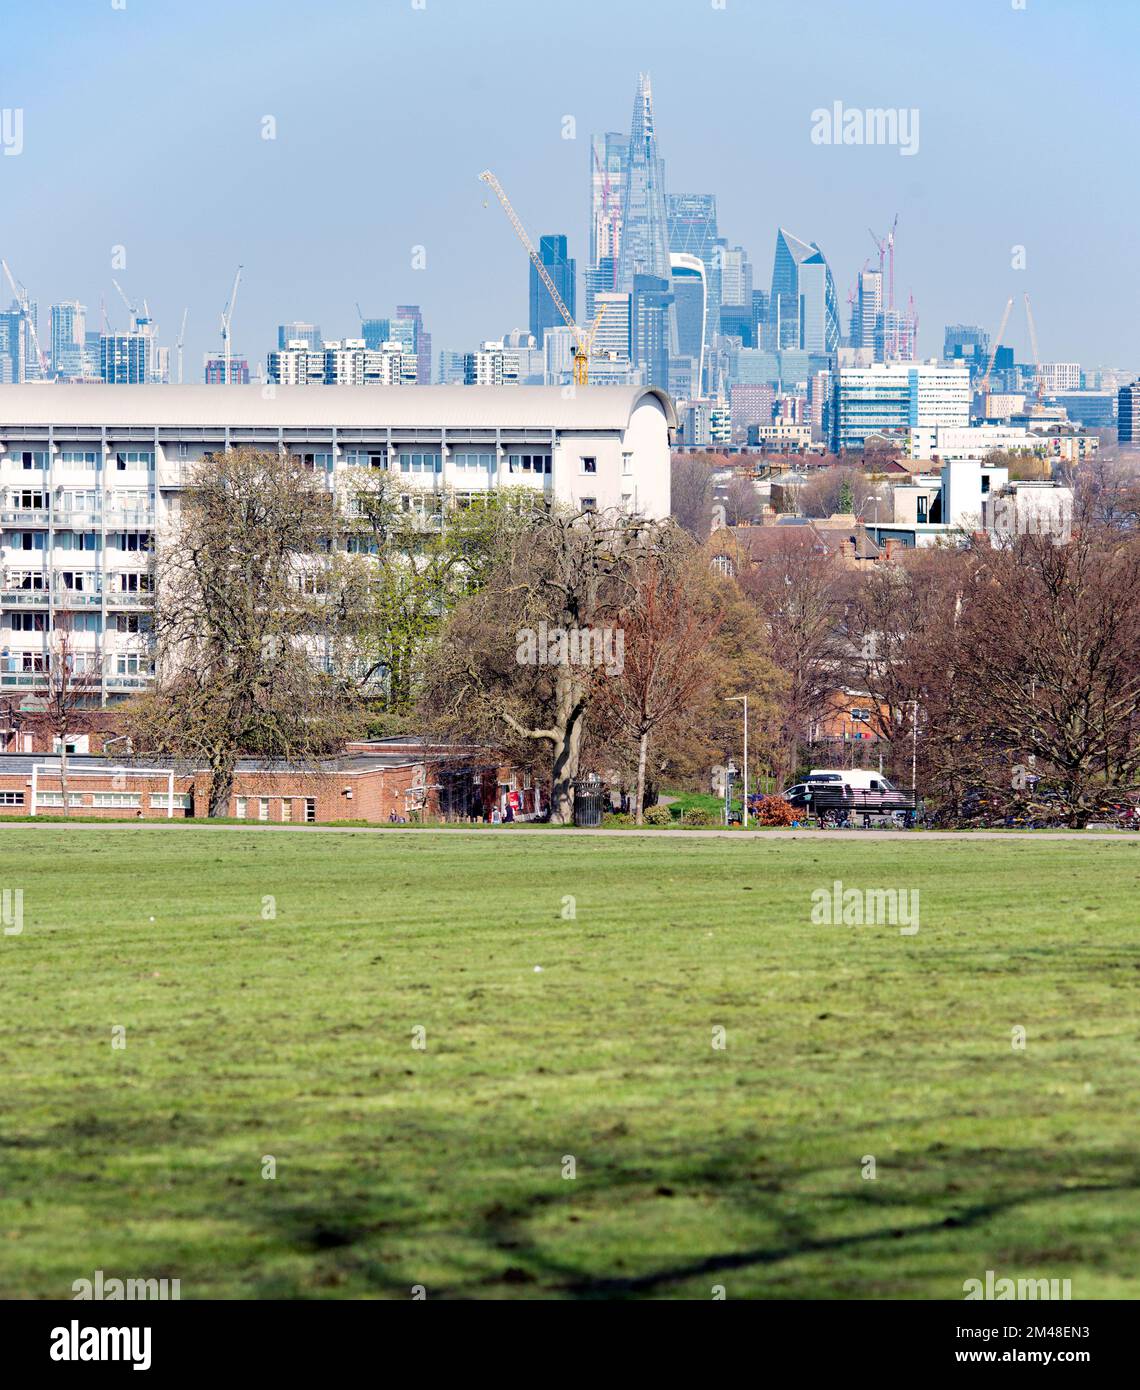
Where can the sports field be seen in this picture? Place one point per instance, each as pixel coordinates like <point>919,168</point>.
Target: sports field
<point>270,985</point>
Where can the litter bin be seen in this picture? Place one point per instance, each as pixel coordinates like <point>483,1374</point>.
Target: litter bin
<point>589,801</point>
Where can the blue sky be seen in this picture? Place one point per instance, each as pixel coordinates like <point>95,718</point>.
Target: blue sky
<point>142,128</point>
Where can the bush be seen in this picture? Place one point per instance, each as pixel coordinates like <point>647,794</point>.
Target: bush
<point>659,815</point>
<point>614,820</point>
<point>697,815</point>
<point>774,810</point>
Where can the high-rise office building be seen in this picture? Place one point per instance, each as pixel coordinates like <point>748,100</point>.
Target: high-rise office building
<point>1128,414</point>
<point>913,398</point>
<point>544,314</point>
<point>613,338</point>
<point>12,358</point>
<point>68,331</point>
<point>690,297</point>
<point>819,306</point>
<point>375,332</point>
<point>803,310</point>
<point>735,275</point>
<point>215,370</point>
<point>126,359</point>
<point>451,367</point>
<point>693,232</point>
<point>966,342</point>
<point>607,179</point>
<point>866,309</point>
<point>783,329</point>
<point>298,332</point>
<point>421,341</point>
<point>652,327</point>
<point>645,229</point>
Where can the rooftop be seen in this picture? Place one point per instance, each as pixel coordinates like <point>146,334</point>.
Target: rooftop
<point>368,407</point>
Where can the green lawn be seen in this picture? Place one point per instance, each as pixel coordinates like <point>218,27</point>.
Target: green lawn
<point>696,1167</point>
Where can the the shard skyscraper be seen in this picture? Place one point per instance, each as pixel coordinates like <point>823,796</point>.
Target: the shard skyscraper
<point>644,270</point>
<point>645,227</point>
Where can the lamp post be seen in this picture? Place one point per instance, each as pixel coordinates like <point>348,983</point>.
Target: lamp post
<point>914,748</point>
<point>744,799</point>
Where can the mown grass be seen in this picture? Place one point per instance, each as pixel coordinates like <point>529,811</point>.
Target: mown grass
<point>292,1036</point>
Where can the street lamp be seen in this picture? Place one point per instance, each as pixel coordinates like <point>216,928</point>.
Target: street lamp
<point>744,801</point>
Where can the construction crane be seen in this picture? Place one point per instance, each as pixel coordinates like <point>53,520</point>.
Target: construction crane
<point>583,338</point>
<point>1038,375</point>
<point>181,340</point>
<point>21,297</point>
<point>609,210</point>
<point>227,316</point>
<point>131,309</point>
<point>886,246</point>
<point>985,382</point>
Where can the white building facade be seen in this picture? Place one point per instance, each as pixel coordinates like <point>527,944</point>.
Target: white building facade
<point>91,477</point>
<point>918,396</point>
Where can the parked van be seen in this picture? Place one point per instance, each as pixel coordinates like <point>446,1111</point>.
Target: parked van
<point>858,779</point>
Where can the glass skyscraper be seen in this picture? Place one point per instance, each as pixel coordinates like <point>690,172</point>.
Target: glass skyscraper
<point>552,252</point>
<point>803,309</point>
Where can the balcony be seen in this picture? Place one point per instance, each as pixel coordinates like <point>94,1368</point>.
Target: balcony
<point>128,600</point>
<point>24,598</point>
<point>19,516</point>
<point>77,598</point>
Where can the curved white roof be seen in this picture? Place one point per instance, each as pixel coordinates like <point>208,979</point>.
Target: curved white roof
<point>402,407</point>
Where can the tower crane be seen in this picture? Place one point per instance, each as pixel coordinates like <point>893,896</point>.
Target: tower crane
<point>227,316</point>
<point>21,296</point>
<point>583,338</point>
<point>985,382</point>
<point>1038,375</point>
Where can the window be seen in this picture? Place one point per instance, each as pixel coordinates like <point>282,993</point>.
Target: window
<point>134,542</point>
<point>627,465</point>
<point>860,715</point>
<point>131,622</point>
<point>921,513</point>
<point>160,801</point>
<point>133,458</point>
<point>240,808</point>
<point>29,499</point>
<point>262,808</point>
<point>310,809</point>
<point>589,504</point>
<point>131,664</point>
<point>56,799</point>
<point>286,809</point>
<point>34,458</point>
<point>589,465</point>
<point>470,460</point>
<point>29,622</point>
<point>116,799</point>
<point>528,463</point>
<point>420,463</point>
<point>85,622</point>
<point>321,463</point>
<point>79,540</point>
<point>11,798</point>
<point>29,540</point>
<point>985,483</point>
<point>80,458</point>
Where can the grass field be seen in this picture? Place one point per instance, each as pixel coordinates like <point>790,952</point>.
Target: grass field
<point>292,1037</point>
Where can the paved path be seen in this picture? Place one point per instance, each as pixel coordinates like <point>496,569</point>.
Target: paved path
<point>499,831</point>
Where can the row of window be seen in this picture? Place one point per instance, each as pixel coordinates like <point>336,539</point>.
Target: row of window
<point>121,460</point>
<point>80,622</point>
<point>131,542</point>
<point>79,582</point>
<point>261,805</point>
<point>78,499</point>
<point>80,663</point>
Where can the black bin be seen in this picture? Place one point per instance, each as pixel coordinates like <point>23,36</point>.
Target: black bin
<point>589,802</point>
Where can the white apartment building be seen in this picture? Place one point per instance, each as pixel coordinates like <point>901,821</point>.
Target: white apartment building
<point>976,441</point>
<point>342,363</point>
<point>91,476</point>
<point>918,396</point>
<point>1060,376</point>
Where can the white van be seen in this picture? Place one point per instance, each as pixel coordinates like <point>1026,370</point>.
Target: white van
<point>858,779</point>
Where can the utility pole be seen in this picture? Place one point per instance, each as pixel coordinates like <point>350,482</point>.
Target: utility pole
<point>914,748</point>
<point>744,799</point>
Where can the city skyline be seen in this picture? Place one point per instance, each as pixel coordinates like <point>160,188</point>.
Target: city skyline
<point>965,201</point>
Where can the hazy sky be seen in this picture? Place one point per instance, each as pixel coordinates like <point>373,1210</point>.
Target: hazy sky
<point>142,127</point>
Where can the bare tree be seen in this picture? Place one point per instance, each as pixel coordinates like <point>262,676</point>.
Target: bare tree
<point>519,663</point>
<point>668,633</point>
<point>244,613</point>
<point>691,485</point>
<point>69,691</point>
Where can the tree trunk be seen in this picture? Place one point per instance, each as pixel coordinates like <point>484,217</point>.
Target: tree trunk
<point>63,769</point>
<point>642,756</point>
<point>221,786</point>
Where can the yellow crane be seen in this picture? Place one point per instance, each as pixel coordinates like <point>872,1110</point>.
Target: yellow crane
<point>583,338</point>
